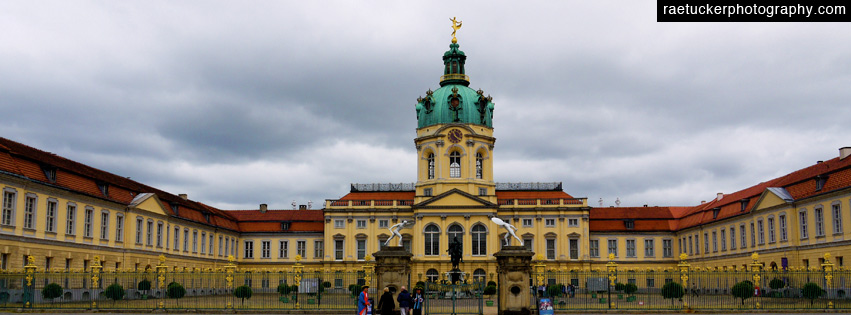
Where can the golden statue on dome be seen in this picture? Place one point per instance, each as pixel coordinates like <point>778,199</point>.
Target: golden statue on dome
<point>455,26</point>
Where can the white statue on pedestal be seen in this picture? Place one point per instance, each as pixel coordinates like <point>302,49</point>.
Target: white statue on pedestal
<point>508,227</point>
<point>394,231</point>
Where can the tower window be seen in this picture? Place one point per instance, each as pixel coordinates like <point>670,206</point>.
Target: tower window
<point>430,166</point>
<point>479,165</point>
<point>455,165</point>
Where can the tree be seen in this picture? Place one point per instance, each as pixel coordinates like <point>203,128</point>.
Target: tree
<point>355,289</point>
<point>51,291</point>
<point>175,290</point>
<point>284,289</point>
<point>743,290</point>
<point>776,284</point>
<point>812,291</point>
<point>242,292</point>
<point>555,290</point>
<point>619,286</point>
<point>672,290</point>
<point>630,288</point>
<point>114,292</point>
<point>492,283</point>
<point>489,290</point>
<point>144,285</point>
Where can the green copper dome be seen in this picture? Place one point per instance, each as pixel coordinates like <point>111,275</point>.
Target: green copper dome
<point>454,101</point>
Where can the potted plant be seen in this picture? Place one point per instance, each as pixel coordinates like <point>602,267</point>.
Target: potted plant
<point>743,290</point>
<point>812,291</point>
<point>175,290</point>
<point>673,290</point>
<point>629,289</point>
<point>114,292</point>
<point>775,285</point>
<point>283,290</point>
<point>242,292</point>
<point>51,291</point>
<point>619,288</point>
<point>490,290</point>
<point>144,286</point>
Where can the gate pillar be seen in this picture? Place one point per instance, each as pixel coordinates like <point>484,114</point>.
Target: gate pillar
<point>392,269</point>
<point>514,269</point>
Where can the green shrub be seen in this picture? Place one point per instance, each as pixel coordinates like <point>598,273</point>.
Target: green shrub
<point>175,290</point>
<point>630,288</point>
<point>242,292</point>
<point>672,290</point>
<point>812,291</point>
<point>326,284</point>
<point>618,286</point>
<point>775,284</point>
<point>355,289</point>
<point>284,289</point>
<point>51,291</point>
<point>492,283</point>
<point>144,285</point>
<point>743,290</point>
<point>489,290</point>
<point>114,292</point>
<point>555,290</point>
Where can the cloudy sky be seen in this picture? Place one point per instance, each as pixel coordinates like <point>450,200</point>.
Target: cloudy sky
<point>240,103</point>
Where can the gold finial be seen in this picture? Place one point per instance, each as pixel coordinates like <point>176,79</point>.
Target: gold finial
<point>683,256</point>
<point>297,258</point>
<point>231,258</point>
<point>455,26</point>
<point>611,256</point>
<point>162,258</point>
<point>826,257</point>
<point>755,257</point>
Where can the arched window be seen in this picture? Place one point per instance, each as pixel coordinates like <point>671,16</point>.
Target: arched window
<point>455,164</point>
<point>479,275</point>
<point>455,230</point>
<point>430,166</point>
<point>480,240</point>
<point>432,240</point>
<point>479,165</point>
<point>432,275</point>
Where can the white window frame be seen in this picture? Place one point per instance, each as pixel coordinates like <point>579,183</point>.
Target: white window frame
<point>149,233</point>
<point>70,218</point>
<point>160,227</point>
<point>551,248</point>
<point>612,247</point>
<point>836,209</point>
<point>572,222</point>
<point>781,223</point>
<point>732,237</point>
<point>10,201</point>
<point>594,248</point>
<point>50,215</point>
<point>550,222</point>
<point>104,224</point>
<point>526,222</point>
<point>339,250</point>
<point>360,224</point>
<point>301,248</point>
<point>248,249</point>
<point>203,242</point>
<point>479,240</point>
<point>802,224</point>
<point>771,237</point>
<point>723,240</point>
<point>284,249</point>
<point>119,227</point>
<point>265,249</point>
<point>318,249</point>
<point>630,248</point>
<point>818,212</point>
<point>339,223</point>
<point>360,245</point>
<point>88,221</point>
<point>667,248</point>
<point>30,211</point>
<point>383,224</point>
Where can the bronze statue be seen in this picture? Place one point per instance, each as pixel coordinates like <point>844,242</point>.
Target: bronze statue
<point>455,252</point>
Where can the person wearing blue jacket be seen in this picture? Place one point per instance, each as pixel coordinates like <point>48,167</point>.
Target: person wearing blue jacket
<point>404,299</point>
<point>363,301</point>
<point>418,301</point>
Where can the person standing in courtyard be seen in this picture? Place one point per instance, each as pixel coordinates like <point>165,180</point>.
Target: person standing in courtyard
<point>363,301</point>
<point>418,301</point>
<point>404,299</point>
<point>386,303</point>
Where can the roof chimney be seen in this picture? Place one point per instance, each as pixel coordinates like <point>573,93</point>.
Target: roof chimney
<point>720,196</point>
<point>844,152</point>
<point>263,208</point>
<point>183,196</point>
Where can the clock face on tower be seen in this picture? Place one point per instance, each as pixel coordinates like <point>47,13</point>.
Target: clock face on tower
<point>455,136</point>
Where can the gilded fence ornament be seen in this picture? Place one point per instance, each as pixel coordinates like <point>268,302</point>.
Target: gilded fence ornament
<point>540,267</point>
<point>298,270</point>
<point>30,269</point>
<point>755,270</point>
<point>96,268</point>
<point>827,266</point>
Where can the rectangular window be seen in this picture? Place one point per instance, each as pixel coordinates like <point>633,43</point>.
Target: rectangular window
<point>233,246</point>
<point>29,213</point>
<point>572,222</point>
<point>753,235</point>
<point>837,219</point>
<point>551,248</point>
<point>648,248</point>
<point>803,220</point>
<point>339,224</point>
<point>527,243</point>
<point>8,207</point>
<point>221,246</point>
<point>361,249</point>
<point>318,249</point>
<point>723,239</point>
<point>629,224</point>
<point>761,231</point>
<point>70,219</point>
<point>383,224</point>
<point>550,222</point>
<point>714,241</point>
<point>782,222</point>
<point>706,243</point>
<point>301,248</point>
<point>119,228</point>
<point>574,249</point>
<point>203,242</point>
<point>210,245</point>
<point>690,247</point>
<point>104,225</point>
<point>667,248</point>
<point>771,238</point>
<point>594,248</point>
<point>527,222</point>
<point>819,214</point>
<point>361,224</point>
<point>138,230</point>
<point>177,238</point>
<point>186,240</point>
<point>483,191</point>
<point>284,249</point>
<point>338,249</point>
<point>159,234</point>
<point>427,192</point>
<point>50,225</point>
<point>697,244</point>
<point>87,222</point>
<point>613,247</point>
<point>149,236</point>
<point>227,246</point>
<point>266,249</point>
<point>732,237</point>
<point>651,282</point>
<point>742,236</point>
<point>249,249</point>
<point>194,241</point>
<point>630,248</point>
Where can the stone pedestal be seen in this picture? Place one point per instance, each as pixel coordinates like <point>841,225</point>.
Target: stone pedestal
<point>392,269</point>
<point>514,266</point>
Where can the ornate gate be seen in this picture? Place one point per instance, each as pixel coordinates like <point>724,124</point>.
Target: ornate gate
<point>461,298</point>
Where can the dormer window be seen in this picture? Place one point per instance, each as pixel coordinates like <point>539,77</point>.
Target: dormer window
<point>285,226</point>
<point>744,203</point>
<point>207,217</point>
<point>715,212</point>
<point>104,188</point>
<point>175,208</point>
<point>820,181</point>
<point>629,224</point>
<point>50,173</point>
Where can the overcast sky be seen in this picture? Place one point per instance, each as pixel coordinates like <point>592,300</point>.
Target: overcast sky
<point>240,103</point>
